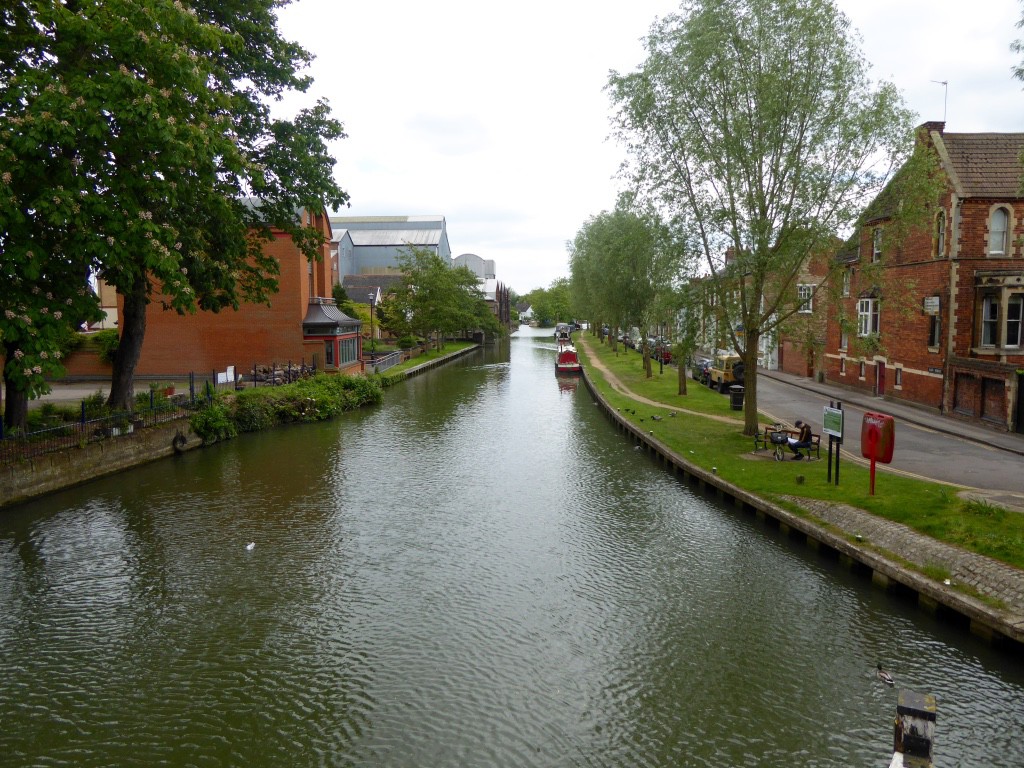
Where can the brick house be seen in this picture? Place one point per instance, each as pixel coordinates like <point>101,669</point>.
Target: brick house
<point>302,323</point>
<point>960,347</point>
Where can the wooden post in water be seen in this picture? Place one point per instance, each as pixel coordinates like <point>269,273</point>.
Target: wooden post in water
<point>913,730</point>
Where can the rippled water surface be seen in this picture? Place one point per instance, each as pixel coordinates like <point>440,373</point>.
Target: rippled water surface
<point>481,572</point>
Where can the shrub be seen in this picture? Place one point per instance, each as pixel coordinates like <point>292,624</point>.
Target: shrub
<point>407,342</point>
<point>253,410</point>
<point>96,405</point>
<point>212,423</point>
<point>107,343</point>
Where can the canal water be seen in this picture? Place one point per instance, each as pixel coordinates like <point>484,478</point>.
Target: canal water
<point>480,572</point>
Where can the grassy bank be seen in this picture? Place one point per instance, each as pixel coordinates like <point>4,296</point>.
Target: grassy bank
<point>397,373</point>
<point>712,436</point>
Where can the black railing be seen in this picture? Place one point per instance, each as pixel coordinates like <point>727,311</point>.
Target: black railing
<point>77,434</point>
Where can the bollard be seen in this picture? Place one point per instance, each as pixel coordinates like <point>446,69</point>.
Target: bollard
<point>913,730</point>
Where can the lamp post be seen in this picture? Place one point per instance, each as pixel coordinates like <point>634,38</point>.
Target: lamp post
<point>373,344</point>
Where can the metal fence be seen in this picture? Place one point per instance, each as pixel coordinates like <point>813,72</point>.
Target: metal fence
<point>382,363</point>
<point>89,429</point>
<point>77,434</point>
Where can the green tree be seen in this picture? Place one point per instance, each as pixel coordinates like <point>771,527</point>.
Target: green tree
<point>149,120</point>
<point>625,263</point>
<point>754,125</point>
<point>434,300</point>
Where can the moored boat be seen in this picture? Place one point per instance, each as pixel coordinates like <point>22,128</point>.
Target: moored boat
<point>566,359</point>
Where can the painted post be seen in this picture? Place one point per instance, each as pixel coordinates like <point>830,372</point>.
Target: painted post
<point>877,440</point>
<point>913,730</point>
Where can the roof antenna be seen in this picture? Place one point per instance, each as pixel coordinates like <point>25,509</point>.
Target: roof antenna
<point>945,95</point>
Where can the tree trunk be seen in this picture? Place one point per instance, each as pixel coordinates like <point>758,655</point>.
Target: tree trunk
<point>750,423</point>
<point>681,372</point>
<point>133,332</point>
<point>15,408</point>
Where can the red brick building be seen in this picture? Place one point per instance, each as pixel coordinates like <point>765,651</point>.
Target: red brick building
<point>960,347</point>
<point>301,324</point>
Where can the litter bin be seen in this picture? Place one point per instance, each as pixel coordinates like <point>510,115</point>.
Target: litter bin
<point>736,397</point>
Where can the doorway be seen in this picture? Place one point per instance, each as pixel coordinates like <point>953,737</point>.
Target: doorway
<point>879,378</point>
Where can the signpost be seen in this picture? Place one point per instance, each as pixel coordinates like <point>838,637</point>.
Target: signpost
<point>832,425</point>
<point>877,440</point>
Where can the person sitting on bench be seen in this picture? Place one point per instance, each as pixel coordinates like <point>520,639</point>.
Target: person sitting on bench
<point>803,440</point>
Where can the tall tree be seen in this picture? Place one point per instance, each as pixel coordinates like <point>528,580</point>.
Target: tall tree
<point>152,118</point>
<point>754,125</point>
<point>628,266</point>
<point>434,300</point>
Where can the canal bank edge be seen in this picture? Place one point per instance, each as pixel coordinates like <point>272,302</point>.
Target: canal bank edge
<point>1001,628</point>
<point>52,472</point>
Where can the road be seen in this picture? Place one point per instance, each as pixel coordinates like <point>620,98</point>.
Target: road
<point>927,444</point>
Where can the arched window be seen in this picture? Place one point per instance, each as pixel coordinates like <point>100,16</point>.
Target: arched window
<point>940,235</point>
<point>998,229</point>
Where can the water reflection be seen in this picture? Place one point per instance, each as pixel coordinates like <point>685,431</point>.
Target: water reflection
<point>479,572</point>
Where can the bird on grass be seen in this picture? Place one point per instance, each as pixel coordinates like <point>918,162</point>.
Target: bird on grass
<point>884,676</point>
<point>251,546</point>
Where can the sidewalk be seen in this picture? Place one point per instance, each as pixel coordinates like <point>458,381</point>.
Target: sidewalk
<point>921,416</point>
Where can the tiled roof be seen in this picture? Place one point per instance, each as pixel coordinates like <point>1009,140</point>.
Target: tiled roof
<point>985,164</point>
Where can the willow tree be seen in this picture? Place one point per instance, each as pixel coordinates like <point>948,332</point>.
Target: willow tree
<point>754,124</point>
<point>164,166</point>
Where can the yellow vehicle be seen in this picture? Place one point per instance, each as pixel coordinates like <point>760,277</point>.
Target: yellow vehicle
<point>724,370</point>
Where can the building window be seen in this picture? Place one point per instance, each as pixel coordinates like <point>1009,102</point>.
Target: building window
<point>1014,312</point>
<point>842,366</point>
<point>867,317</point>
<point>349,351</point>
<point>863,369</point>
<point>940,234</point>
<point>805,293</point>
<point>844,340</point>
<point>898,375</point>
<point>934,331</point>
<point>998,228</point>
<point>847,279</point>
<point>876,244</point>
<point>990,321</point>
<point>329,352</point>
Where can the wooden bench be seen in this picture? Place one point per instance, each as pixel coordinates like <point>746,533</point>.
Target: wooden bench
<point>762,440</point>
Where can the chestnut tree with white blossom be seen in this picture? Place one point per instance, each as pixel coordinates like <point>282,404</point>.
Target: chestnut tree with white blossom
<point>139,144</point>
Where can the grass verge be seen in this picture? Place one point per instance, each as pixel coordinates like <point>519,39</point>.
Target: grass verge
<point>709,434</point>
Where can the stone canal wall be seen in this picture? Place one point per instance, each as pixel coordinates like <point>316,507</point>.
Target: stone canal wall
<point>837,535</point>
<point>55,471</point>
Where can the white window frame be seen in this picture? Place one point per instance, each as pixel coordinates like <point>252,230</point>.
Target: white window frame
<point>998,229</point>
<point>1015,321</point>
<point>867,317</point>
<point>876,245</point>
<point>940,234</point>
<point>990,321</point>
<point>805,295</point>
<point>847,280</point>
<point>934,332</point>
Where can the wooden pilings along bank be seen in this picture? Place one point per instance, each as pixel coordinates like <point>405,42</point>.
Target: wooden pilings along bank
<point>943,602</point>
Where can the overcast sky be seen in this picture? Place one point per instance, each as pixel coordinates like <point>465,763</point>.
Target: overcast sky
<point>495,117</point>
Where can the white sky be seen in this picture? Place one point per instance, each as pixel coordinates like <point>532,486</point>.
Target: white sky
<point>494,116</point>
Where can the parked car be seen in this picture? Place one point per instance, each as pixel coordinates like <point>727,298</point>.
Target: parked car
<point>722,373</point>
<point>699,369</point>
<point>661,351</point>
